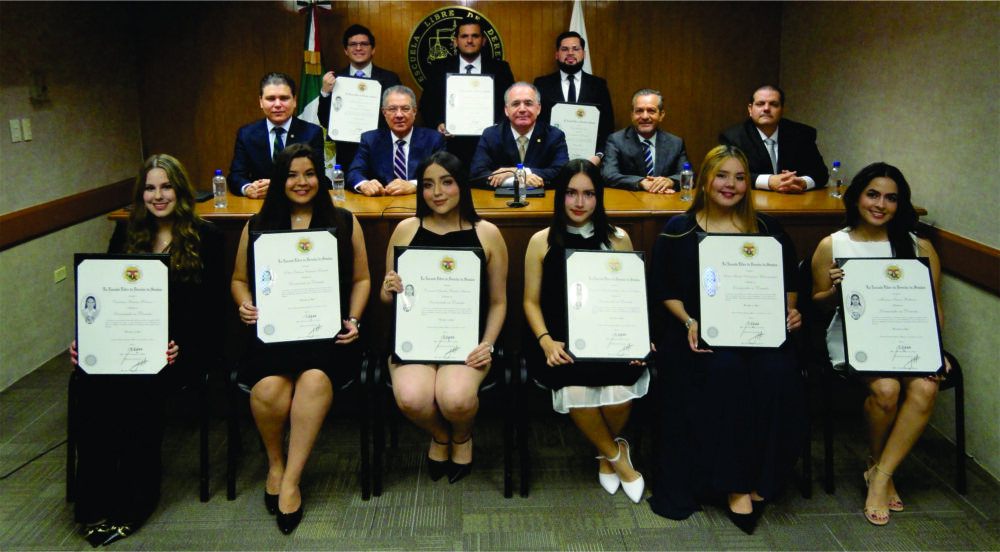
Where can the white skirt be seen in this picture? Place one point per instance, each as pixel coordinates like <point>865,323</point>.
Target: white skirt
<point>576,396</point>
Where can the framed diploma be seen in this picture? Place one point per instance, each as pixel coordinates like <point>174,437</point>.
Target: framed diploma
<point>122,313</point>
<point>468,107</point>
<point>437,315</point>
<point>890,318</point>
<point>296,284</point>
<point>742,290</point>
<point>607,310</point>
<point>355,107</point>
<point>579,122</point>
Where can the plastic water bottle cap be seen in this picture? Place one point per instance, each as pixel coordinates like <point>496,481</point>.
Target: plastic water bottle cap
<point>836,163</point>
<point>687,166</point>
<point>520,165</point>
<point>218,172</point>
<point>336,167</point>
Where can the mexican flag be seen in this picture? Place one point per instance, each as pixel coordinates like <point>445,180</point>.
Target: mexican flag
<point>311,81</point>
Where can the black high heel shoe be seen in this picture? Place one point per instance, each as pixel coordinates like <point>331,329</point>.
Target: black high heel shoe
<point>288,522</point>
<point>746,522</point>
<point>271,502</point>
<point>459,471</point>
<point>119,532</point>
<point>438,468</point>
<point>96,535</point>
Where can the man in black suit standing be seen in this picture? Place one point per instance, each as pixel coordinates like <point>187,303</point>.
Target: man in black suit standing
<point>571,85</point>
<point>259,142</point>
<point>782,153</point>
<point>643,157</point>
<point>359,46</point>
<point>469,42</point>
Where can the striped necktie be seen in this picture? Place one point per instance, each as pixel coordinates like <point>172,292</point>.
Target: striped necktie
<point>399,161</point>
<point>647,156</point>
<point>278,143</point>
<point>522,146</point>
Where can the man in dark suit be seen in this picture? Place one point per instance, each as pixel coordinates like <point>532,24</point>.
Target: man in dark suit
<point>387,159</point>
<point>500,147</point>
<point>359,46</point>
<point>571,85</point>
<point>469,42</point>
<point>259,142</point>
<point>625,162</point>
<point>782,153</point>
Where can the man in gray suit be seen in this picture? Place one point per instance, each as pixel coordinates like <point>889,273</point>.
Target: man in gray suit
<point>643,157</point>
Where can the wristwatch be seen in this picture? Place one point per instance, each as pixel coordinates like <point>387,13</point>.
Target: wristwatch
<point>490,346</point>
<point>357,323</point>
<point>688,322</point>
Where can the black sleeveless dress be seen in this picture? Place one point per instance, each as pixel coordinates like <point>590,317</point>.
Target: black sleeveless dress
<point>553,304</point>
<point>338,361</point>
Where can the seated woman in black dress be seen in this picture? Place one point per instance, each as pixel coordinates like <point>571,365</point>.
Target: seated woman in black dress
<point>443,399</point>
<point>880,222</point>
<point>597,396</point>
<point>295,381</point>
<point>733,418</point>
<point>120,417</point>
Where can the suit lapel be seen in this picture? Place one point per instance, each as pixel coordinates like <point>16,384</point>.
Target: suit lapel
<point>759,150</point>
<point>384,154</point>
<point>262,144</point>
<point>661,153</point>
<point>538,137</point>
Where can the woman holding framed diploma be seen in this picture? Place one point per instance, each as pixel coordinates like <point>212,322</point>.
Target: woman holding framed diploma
<point>443,399</point>
<point>597,395</point>
<point>120,417</point>
<point>295,379</point>
<point>880,220</point>
<point>733,417</point>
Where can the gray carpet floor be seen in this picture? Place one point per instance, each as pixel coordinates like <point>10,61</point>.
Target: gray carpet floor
<point>565,510</point>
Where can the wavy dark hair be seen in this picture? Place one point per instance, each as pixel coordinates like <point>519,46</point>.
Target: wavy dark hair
<point>185,244</point>
<point>276,213</point>
<point>709,169</point>
<point>602,228</point>
<point>902,223</point>
<point>454,167</point>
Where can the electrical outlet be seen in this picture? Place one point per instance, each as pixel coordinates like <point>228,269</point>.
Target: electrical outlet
<point>26,129</point>
<point>15,131</point>
<point>59,275</point>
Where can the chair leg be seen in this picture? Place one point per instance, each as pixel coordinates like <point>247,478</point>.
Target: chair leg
<point>827,435</point>
<point>203,441</point>
<point>71,441</point>
<point>234,444</point>
<point>960,475</point>
<point>508,442</point>
<point>366,464</point>
<point>807,445</point>
<point>378,445</point>
<point>522,446</point>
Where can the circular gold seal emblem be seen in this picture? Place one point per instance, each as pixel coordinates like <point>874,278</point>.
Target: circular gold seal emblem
<point>433,39</point>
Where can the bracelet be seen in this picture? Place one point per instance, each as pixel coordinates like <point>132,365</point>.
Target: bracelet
<point>541,336</point>
<point>688,322</point>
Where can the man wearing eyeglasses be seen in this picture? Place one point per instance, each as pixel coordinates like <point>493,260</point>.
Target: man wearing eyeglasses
<point>540,147</point>
<point>387,158</point>
<point>571,85</point>
<point>359,46</point>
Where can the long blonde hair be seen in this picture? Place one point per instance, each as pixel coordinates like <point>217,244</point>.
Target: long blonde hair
<point>185,244</point>
<point>746,214</point>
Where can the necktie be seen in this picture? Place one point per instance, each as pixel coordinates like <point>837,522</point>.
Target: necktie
<point>647,156</point>
<point>571,97</point>
<point>522,146</point>
<point>399,161</point>
<point>770,143</point>
<point>360,74</point>
<point>278,143</point>
<point>469,68</point>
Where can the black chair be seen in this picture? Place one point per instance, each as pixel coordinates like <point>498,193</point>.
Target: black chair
<point>525,381</point>
<point>498,381</point>
<point>815,354</point>
<point>238,388</point>
<point>199,384</point>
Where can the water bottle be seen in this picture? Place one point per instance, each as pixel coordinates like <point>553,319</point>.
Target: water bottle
<point>338,184</point>
<point>836,180</point>
<point>219,189</point>
<point>521,186</point>
<point>687,181</point>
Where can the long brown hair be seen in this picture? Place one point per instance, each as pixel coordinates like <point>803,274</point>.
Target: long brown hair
<point>185,243</point>
<point>714,159</point>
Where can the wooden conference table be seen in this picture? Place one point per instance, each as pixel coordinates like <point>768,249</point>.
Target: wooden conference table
<point>807,218</point>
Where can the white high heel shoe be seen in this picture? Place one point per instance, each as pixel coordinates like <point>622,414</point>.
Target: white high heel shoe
<point>609,481</point>
<point>633,489</point>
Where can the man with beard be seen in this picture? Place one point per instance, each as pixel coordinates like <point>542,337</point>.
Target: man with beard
<point>571,85</point>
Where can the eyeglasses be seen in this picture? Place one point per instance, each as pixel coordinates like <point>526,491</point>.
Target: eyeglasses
<point>358,44</point>
<point>405,110</point>
<point>574,49</point>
